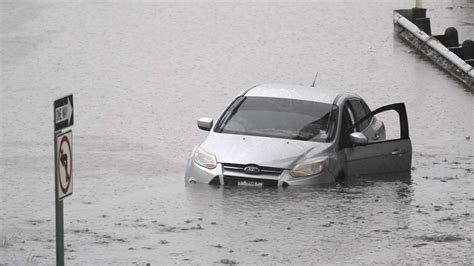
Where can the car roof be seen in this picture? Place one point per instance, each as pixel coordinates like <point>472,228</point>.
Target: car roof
<point>316,94</point>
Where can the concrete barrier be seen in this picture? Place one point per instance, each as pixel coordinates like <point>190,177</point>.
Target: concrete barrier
<point>432,47</point>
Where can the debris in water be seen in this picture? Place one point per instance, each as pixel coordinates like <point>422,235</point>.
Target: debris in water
<point>228,262</point>
<point>419,245</point>
<point>170,229</point>
<point>447,219</point>
<point>258,240</point>
<point>81,231</point>
<point>197,227</point>
<point>442,238</point>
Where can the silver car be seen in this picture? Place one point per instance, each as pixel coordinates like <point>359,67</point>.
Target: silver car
<point>285,135</point>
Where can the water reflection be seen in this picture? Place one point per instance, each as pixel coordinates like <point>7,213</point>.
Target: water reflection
<point>404,177</point>
<point>367,211</point>
<point>399,185</point>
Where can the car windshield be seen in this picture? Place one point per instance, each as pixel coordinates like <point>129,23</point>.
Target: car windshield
<point>279,118</point>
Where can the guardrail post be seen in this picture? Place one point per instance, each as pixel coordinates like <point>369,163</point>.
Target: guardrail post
<point>452,37</point>
<point>419,4</point>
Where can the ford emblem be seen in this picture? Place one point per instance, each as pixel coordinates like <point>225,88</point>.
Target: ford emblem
<point>252,169</point>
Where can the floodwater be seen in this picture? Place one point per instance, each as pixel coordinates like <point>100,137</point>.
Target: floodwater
<point>142,72</point>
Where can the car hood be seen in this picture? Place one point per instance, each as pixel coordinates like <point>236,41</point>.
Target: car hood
<point>263,151</point>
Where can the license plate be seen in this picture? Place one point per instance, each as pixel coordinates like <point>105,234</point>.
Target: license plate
<point>250,183</point>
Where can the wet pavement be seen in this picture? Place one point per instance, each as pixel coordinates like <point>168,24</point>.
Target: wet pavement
<point>142,73</point>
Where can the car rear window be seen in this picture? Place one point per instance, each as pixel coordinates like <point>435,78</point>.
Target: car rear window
<point>279,118</point>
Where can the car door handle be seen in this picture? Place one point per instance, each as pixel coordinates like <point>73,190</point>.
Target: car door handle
<point>398,151</point>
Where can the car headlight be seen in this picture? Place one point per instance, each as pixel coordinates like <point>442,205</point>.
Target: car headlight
<point>205,159</point>
<point>310,168</point>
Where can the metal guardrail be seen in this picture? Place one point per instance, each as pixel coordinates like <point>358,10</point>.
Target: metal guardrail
<point>436,51</point>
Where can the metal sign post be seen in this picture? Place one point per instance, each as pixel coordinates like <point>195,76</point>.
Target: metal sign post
<point>63,118</point>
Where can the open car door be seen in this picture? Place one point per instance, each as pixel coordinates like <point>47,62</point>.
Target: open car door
<point>371,157</point>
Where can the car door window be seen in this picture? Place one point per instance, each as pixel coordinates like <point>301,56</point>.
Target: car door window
<point>359,112</point>
<point>366,108</point>
<point>346,123</point>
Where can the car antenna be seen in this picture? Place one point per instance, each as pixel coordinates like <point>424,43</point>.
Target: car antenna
<point>314,81</point>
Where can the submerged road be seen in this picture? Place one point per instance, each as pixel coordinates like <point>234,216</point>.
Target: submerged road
<point>143,72</point>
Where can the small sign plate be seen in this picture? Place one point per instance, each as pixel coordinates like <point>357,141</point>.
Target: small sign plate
<point>63,113</point>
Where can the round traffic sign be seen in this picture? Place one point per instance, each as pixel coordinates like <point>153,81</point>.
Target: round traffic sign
<point>65,164</point>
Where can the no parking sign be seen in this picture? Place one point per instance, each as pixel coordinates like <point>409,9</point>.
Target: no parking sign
<point>64,164</point>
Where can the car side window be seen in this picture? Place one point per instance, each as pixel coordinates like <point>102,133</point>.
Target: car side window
<point>359,112</point>
<point>346,122</point>
<point>367,110</point>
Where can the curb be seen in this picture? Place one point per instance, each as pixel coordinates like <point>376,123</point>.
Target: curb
<point>433,48</point>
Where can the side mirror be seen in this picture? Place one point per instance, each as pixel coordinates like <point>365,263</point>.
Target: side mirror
<point>205,123</point>
<point>358,138</point>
